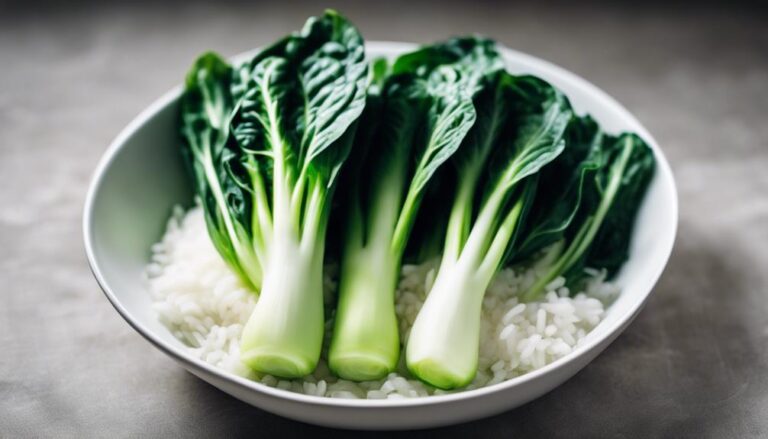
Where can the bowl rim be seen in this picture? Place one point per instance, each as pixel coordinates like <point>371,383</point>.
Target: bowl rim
<point>381,47</point>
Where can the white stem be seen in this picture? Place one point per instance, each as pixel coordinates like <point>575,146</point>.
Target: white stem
<point>284,334</point>
<point>443,344</point>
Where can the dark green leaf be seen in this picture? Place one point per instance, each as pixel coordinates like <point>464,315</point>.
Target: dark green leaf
<point>611,246</point>
<point>539,118</point>
<point>476,54</point>
<point>306,92</point>
<point>599,233</point>
<point>206,108</point>
<point>561,185</point>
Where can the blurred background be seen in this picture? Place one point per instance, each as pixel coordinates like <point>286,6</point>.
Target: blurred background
<point>72,75</point>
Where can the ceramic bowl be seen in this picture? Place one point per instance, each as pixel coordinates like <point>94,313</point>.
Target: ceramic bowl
<point>141,177</point>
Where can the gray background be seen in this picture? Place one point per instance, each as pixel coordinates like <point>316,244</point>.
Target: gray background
<point>692,365</point>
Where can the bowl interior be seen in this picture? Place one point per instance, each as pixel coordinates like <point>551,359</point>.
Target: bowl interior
<point>142,177</point>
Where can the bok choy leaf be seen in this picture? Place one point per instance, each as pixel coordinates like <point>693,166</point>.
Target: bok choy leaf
<point>206,109</point>
<point>596,208</point>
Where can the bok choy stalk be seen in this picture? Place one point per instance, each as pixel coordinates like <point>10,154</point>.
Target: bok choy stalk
<point>421,116</point>
<point>588,220</point>
<point>294,108</point>
<point>520,127</point>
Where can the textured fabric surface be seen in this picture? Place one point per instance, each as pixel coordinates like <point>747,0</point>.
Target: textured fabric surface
<point>694,363</point>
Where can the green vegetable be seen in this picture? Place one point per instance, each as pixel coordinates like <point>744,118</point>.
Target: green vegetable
<point>294,108</point>
<point>588,223</point>
<point>499,167</point>
<point>417,122</point>
<point>206,108</point>
<point>520,127</point>
<point>296,125</point>
<point>557,202</point>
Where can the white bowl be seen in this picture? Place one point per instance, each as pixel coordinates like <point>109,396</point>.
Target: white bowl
<point>141,177</point>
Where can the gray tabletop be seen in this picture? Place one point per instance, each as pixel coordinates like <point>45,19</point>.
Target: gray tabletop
<point>694,364</point>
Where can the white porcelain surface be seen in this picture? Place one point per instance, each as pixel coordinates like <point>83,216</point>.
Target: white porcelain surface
<point>141,177</point>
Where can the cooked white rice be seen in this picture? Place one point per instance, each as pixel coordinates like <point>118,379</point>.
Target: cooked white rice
<point>205,306</point>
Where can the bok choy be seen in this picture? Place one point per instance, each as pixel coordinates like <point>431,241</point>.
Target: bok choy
<point>520,127</point>
<point>422,114</point>
<point>206,109</point>
<point>279,135</point>
<point>438,153</point>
